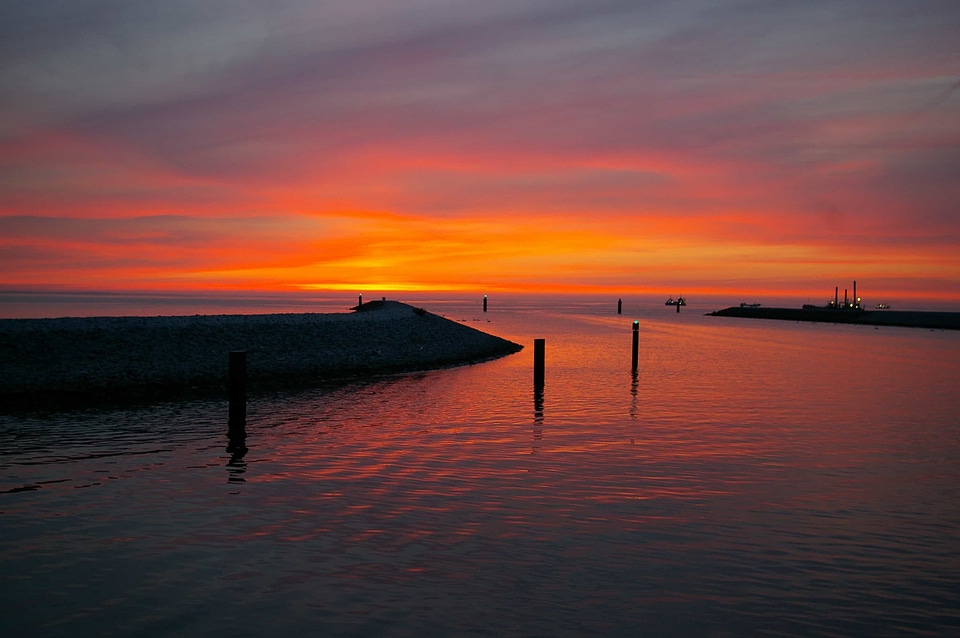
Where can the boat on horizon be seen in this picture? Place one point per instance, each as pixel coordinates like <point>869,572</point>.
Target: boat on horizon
<point>680,301</point>
<point>744,304</point>
<point>882,306</point>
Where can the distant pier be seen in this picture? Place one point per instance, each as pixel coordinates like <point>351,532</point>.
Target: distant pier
<point>900,318</point>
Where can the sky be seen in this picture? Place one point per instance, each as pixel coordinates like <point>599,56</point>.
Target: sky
<point>613,145</point>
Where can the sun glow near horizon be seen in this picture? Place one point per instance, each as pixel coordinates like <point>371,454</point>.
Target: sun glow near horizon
<point>534,254</point>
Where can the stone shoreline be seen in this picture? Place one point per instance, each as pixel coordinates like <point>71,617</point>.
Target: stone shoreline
<point>893,318</point>
<point>88,361</point>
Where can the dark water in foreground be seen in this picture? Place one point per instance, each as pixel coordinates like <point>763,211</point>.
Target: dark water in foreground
<point>754,478</point>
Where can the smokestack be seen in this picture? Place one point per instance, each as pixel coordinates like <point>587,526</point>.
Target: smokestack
<point>856,300</point>
<point>836,296</point>
<point>845,302</point>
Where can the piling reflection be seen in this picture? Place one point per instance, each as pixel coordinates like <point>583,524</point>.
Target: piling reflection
<point>237,448</point>
<point>537,419</point>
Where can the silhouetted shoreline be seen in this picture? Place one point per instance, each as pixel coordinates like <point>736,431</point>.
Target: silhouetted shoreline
<point>51,363</point>
<point>899,318</point>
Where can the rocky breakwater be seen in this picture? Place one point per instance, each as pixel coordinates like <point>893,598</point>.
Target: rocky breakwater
<point>53,362</point>
<point>893,318</point>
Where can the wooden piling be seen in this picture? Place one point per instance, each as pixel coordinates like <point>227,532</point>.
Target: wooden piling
<point>539,348</point>
<point>619,306</point>
<point>484,303</point>
<point>636,346</point>
<point>238,390</point>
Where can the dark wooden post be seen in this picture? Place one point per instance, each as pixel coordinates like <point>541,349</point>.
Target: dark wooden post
<point>636,346</point>
<point>360,300</point>
<point>484,303</point>
<point>678,307</point>
<point>619,306</point>
<point>539,348</point>
<point>238,390</point>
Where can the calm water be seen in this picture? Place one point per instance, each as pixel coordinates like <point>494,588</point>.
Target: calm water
<point>753,478</point>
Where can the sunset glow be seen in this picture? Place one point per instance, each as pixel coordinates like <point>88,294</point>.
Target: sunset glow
<point>419,145</point>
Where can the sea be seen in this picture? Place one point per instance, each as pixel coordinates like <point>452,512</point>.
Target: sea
<point>750,478</point>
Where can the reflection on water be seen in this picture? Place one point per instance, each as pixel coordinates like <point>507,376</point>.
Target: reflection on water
<point>537,419</point>
<point>237,449</point>
<point>754,479</point>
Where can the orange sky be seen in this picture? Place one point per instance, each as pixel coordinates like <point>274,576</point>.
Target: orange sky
<point>784,147</point>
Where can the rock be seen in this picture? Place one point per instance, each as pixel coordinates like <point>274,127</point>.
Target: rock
<point>70,361</point>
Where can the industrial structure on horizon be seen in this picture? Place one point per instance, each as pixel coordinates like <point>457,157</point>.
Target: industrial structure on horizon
<point>834,304</point>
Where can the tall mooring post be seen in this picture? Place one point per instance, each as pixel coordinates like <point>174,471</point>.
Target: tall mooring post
<point>360,300</point>
<point>484,303</point>
<point>636,347</point>
<point>539,349</point>
<point>619,306</point>
<point>238,390</point>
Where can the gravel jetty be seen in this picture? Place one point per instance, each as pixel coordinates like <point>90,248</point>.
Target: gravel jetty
<point>894,318</point>
<point>54,362</point>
